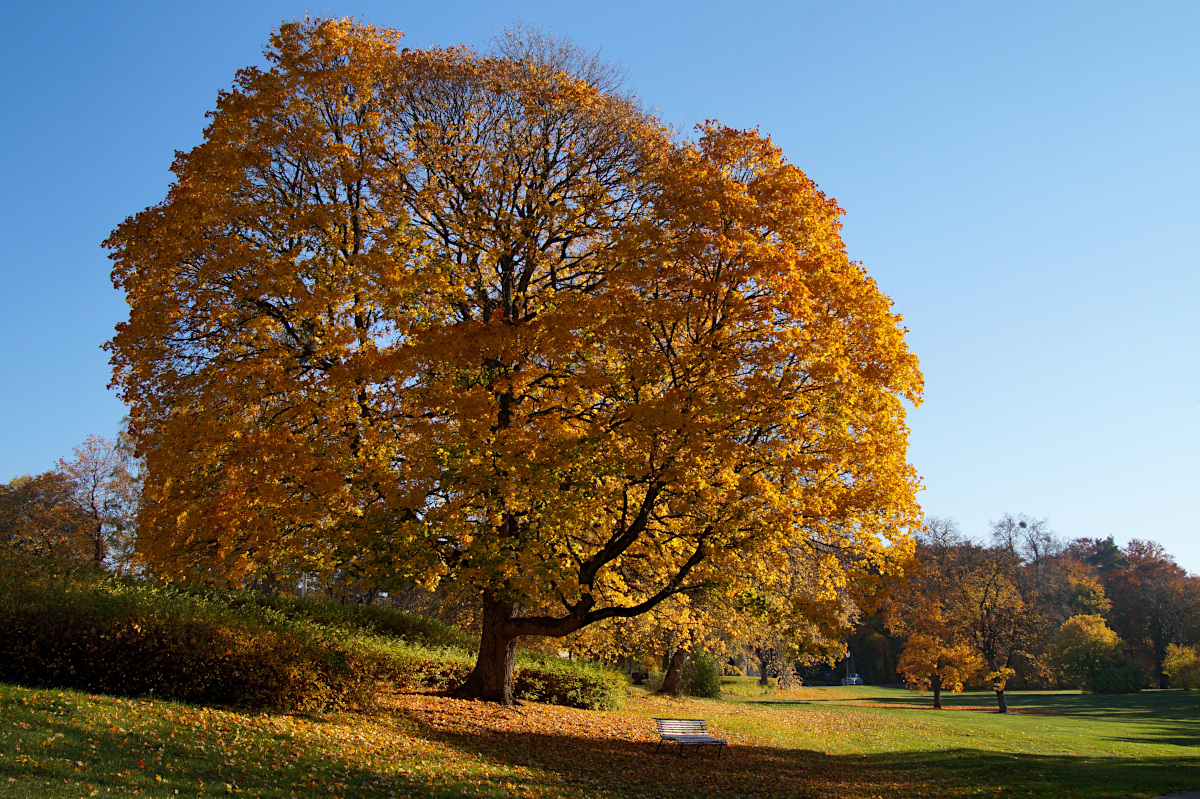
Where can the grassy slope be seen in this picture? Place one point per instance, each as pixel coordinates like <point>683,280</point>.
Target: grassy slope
<point>835,742</point>
<point>71,626</point>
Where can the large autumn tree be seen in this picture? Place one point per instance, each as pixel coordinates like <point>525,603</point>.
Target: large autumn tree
<point>450,316</point>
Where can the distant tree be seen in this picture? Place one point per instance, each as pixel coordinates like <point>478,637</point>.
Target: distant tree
<point>1182,666</point>
<point>876,650</point>
<point>999,619</point>
<point>1028,538</point>
<point>1084,648</point>
<point>105,490</point>
<point>926,610</point>
<point>930,662</point>
<point>1010,601</point>
<point>968,594</point>
<point>39,517</point>
<point>1084,593</point>
<point>1102,554</point>
<point>804,615</point>
<point>1155,603</point>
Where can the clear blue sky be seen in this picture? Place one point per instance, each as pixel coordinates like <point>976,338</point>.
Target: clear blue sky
<point>1022,178</point>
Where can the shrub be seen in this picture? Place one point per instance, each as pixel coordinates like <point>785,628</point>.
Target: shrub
<point>1121,677</point>
<point>654,681</point>
<point>702,676</point>
<point>389,622</point>
<point>535,679</point>
<point>557,681</point>
<point>73,627</point>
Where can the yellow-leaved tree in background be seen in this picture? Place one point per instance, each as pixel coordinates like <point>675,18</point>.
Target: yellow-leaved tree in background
<point>441,315</point>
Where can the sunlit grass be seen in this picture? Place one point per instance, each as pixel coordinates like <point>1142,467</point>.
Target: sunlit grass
<point>852,742</point>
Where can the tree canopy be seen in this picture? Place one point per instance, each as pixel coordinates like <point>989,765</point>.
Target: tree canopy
<point>448,315</point>
<point>82,510</point>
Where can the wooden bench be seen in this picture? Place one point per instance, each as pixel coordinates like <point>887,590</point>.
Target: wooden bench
<point>686,732</point>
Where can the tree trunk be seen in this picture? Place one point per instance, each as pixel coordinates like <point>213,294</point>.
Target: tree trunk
<point>763,679</point>
<point>1001,701</point>
<point>673,682</point>
<point>98,555</point>
<point>784,669</point>
<point>937,692</point>
<point>491,679</point>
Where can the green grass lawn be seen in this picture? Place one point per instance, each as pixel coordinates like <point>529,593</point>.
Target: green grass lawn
<point>860,741</point>
<point>1049,743</point>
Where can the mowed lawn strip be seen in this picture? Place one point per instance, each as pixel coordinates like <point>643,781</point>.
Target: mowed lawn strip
<point>837,742</point>
<point>1051,743</point>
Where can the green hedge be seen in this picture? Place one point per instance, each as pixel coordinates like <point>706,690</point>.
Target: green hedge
<point>567,683</point>
<point>1117,678</point>
<point>381,621</point>
<point>592,686</point>
<point>702,676</point>
<point>70,626</point>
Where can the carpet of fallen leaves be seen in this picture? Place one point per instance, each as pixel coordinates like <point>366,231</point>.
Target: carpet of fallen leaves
<point>565,752</point>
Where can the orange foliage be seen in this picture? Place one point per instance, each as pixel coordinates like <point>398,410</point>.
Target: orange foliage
<point>449,316</point>
<point>39,517</point>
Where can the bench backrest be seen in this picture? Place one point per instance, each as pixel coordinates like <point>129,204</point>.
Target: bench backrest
<point>681,726</point>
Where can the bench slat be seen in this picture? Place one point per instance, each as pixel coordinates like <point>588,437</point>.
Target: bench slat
<point>686,732</point>
<point>697,726</point>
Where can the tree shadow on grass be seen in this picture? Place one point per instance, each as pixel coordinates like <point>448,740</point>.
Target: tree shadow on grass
<point>1157,717</point>
<point>1165,732</point>
<point>1155,703</point>
<point>635,769</point>
<point>1052,775</point>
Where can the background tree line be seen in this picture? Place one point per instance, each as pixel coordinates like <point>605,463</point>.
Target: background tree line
<point>84,510</point>
<point>81,510</point>
<point>1029,610</point>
